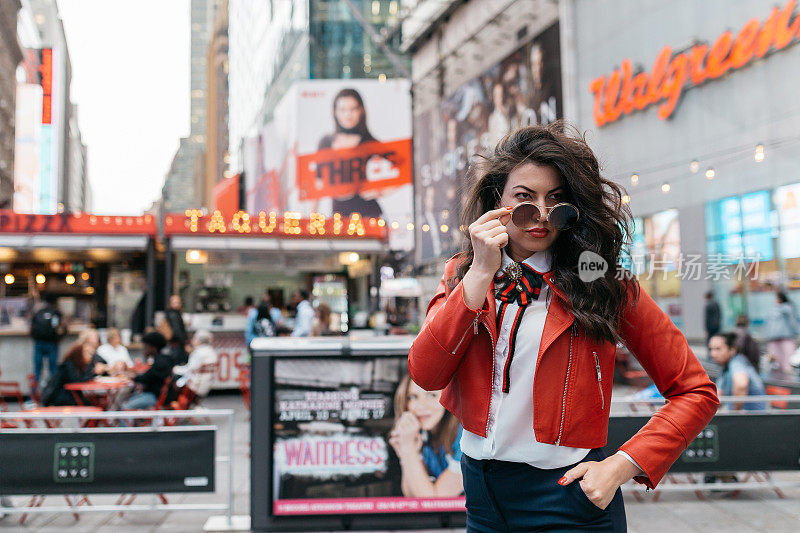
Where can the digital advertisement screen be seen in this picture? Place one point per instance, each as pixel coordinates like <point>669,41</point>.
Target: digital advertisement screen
<point>358,436</point>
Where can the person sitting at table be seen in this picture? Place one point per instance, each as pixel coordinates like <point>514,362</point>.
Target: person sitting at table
<point>115,353</point>
<point>76,367</point>
<point>202,354</point>
<point>149,384</point>
<point>91,338</point>
<point>738,377</point>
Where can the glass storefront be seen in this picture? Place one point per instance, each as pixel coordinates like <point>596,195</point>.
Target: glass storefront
<point>654,257</point>
<point>757,235</point>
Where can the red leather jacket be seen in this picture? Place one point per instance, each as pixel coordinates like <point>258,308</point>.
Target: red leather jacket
<point>454,351</point>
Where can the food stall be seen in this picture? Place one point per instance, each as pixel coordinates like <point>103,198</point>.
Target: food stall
<point>97,266</point>
<point>217,260</point>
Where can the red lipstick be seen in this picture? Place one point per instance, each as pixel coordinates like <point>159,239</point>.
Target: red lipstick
<point>539,233</point>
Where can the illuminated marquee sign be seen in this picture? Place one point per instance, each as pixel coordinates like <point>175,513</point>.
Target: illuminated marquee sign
<point>263,224</point>
<point>621,92</point>
<point>79,223</point>
<point>46,70</point>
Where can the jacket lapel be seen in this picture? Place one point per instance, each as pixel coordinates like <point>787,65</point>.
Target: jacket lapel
<point>558,316</point>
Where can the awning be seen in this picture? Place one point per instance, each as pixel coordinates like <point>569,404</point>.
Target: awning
<point>73,242</point>
<point>245,244</point>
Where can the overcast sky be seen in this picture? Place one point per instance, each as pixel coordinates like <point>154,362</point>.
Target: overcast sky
<point>130,79</point>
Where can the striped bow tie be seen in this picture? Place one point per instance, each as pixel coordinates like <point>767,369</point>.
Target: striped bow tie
<point>519,284</point>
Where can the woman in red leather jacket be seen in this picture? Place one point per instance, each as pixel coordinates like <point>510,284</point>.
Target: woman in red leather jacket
<point>521,336</point>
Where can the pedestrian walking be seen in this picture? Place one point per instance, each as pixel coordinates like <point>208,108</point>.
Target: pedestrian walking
<point>781,331</point>
<point>47,329</point>
<point>713,316</point>
<point>305,314</point>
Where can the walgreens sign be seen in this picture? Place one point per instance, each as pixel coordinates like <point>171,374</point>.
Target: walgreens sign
<point>621,92</point>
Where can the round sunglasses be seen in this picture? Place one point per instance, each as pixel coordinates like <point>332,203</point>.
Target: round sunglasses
<point>527,214</point>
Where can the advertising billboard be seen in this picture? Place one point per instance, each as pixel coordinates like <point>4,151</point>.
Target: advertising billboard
<point>27,148</point>
<point>351,436</point>
<point>521,90</point>
<point>787,203</point>
<point>36,142</point>
<point>337,146</point>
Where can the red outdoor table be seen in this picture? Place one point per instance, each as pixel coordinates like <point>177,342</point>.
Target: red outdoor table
<point>140,368</point>
<point>100,393</point>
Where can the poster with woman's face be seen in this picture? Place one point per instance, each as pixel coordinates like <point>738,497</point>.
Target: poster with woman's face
<point>358,436</point>
<point>340,146</point>
<point>523,89</point>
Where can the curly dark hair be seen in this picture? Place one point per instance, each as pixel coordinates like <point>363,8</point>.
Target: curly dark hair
<point>604,226</point>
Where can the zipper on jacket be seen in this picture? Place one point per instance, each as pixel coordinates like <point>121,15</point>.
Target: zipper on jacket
<point>491,388</point>
<point>566,382</point>
<point>474,327</point>
<point>599,380</point>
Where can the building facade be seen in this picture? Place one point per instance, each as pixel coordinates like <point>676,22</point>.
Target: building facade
<point>78,199</point>
<point>216,150</point>
<point>479,69</point>
<point>10,57</point>
<point>691,106</point>
<point>44,123</point>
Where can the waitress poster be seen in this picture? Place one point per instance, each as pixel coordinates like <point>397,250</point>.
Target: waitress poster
<point>337,146</point>
<point>358,436</point>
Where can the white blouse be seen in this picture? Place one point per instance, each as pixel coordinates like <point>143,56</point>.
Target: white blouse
<point>510,436</point>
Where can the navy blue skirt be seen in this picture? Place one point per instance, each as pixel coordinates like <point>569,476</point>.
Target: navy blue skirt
<point>514,497</point>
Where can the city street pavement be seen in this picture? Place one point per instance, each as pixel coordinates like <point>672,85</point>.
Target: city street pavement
<point>751,511</point>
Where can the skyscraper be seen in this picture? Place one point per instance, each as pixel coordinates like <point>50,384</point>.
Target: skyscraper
<point>216,151</point>
<point>181,190</point>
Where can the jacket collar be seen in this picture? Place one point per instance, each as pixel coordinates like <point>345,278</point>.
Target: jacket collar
<point>539,261</point>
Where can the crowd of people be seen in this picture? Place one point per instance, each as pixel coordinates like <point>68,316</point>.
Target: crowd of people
<point>267,320</point>
<point>172,360</point>
<point>781,331</point>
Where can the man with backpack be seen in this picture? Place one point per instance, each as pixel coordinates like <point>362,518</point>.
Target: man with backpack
<point>47,328</point>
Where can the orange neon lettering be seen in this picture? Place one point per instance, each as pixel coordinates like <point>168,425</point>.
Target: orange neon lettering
<point>744,47</point>
<point>291,223</point>
<point>784,33</point>
<point>640,90</point>
<point>767,34</point>
<point>672,87</point>
<point>596,88</point>
<point>610,109</point>
<point>697,66</point>
<point>619,94</point>
<point>194,217</point>
<point>625,104</point>
<point>337,224</point>
<point>657,74</point>
<point>356,225</point>
<point>217,223</point>
<point>267,226</point>
<point>717,62</point>
<point>316,224</point>
<point>241,222</point>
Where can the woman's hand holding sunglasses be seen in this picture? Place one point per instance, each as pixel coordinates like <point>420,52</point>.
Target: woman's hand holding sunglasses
<point>489,236</point>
